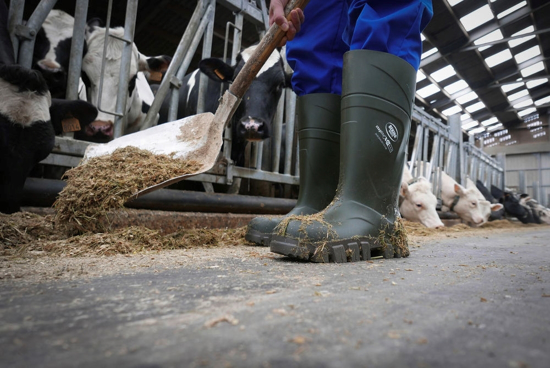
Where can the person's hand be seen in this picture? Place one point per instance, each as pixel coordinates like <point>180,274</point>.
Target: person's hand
<point>277,15</point>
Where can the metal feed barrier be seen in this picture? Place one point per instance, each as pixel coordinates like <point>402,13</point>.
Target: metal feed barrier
<point>439,146</point>
<point>448,153</point>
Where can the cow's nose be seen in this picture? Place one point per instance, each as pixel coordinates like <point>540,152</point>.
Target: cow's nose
<point>100,127</point>
<point>253,129</point>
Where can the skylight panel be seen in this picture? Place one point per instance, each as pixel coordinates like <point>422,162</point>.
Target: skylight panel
<point>465,119</point>
<point>427,91</point>
<point>422,37</point>
<point>489,121</point>
<point>431,51</point>
<point>525,72</point>
<point>523,104</point>
<point>526,111</point>
<point>453,2</point>
<point>443,73</point>
<point>517,95</point>
<point>498,58</point>
<point>451,111</point>
<point>512,9</point>
<point>477,18</point>
<point>542,101</point>
<point>494,127</point>
<point>519,41</point>
<point>476,130</point>
<point>493,36</point>
<point>455,87</point>
<point>475,107</point>
<point>466,98</point>
<point>420,76</point>
<point>508,87</point>
<point>470,125</point>
<point>536,82</point>
<point>527,54</point>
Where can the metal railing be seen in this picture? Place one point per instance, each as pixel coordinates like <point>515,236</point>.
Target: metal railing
<point>449,154</point>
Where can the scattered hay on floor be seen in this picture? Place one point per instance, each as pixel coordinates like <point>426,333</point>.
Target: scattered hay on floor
<point>25,233</point>
<point>23,228</point>
<point>136,239</point>
<point>105,183</point>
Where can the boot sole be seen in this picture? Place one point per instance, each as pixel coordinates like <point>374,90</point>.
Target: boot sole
<point>338,251</point>
<point>257,237</point>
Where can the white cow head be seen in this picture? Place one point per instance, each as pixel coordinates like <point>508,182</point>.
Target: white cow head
<point>467,205</point>
<point>102,129</point>
<point>419,203</point>
<point>485,206</point>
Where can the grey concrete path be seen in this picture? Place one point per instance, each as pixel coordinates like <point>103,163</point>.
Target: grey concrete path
<point>466,302</point>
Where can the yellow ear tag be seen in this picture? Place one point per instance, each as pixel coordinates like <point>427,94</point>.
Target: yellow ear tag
<point>219,74</point>
<point>70,125</point>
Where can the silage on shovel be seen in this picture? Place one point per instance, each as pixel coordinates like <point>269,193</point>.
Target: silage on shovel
<point>105,183</point>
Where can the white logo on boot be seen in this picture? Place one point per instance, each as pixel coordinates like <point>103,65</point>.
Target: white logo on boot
<point>392,132</point>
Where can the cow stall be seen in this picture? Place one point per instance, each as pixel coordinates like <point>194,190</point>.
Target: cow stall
<point>272,161</point>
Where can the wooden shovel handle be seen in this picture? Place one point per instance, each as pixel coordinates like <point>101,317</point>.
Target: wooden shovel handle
<point>262,52</point>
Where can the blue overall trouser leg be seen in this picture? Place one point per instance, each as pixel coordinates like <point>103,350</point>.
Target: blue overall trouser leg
<point>377,89</point>
<point>333,27</point>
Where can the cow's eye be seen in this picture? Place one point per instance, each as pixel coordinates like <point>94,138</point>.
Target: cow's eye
<point>474,204</point>
<point>419,205</point>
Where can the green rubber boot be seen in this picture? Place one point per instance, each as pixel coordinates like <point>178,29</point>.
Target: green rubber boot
<point>377,99</point>
<point>319,142</point>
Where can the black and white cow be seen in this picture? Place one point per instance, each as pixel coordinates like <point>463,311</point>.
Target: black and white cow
<point>512,205</point>
<point>253,119</point>
<point>496,213</point>
<point>52,50</point>
<point>102,129</point>
<point>540,213</point>
<point>51,57</point>
<point>29,120</point>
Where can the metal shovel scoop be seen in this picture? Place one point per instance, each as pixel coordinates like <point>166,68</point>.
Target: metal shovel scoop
<point>199,137</point>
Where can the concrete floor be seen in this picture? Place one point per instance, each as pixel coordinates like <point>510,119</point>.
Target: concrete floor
<point>464,302</point>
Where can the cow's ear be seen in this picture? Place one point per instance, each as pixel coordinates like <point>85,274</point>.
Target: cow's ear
<point>83,111</point>
<point>496,207</point>
<point>217,70</point>
<point>49,65</point>
<point>404,191</point>
<point>92,24</point>
<point>154,63</point>
<point>459,189</point>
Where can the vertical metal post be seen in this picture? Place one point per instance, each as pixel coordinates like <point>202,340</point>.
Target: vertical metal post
<point>277,133</point>
<point>290,118</point>
<point>521,183</point>
<point>425,153</point>
<point>30,29</point>
<point>434,156</point>
<point>125,62</point>
<point>174,95</point>
<point>237,36</point>
<point>455,133</point>
<point>177,59</point>
<point>206,53</point>
<point>77,49</point>
<point>501,159</point>
<point>417,146</point>
<point>15,17</point>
